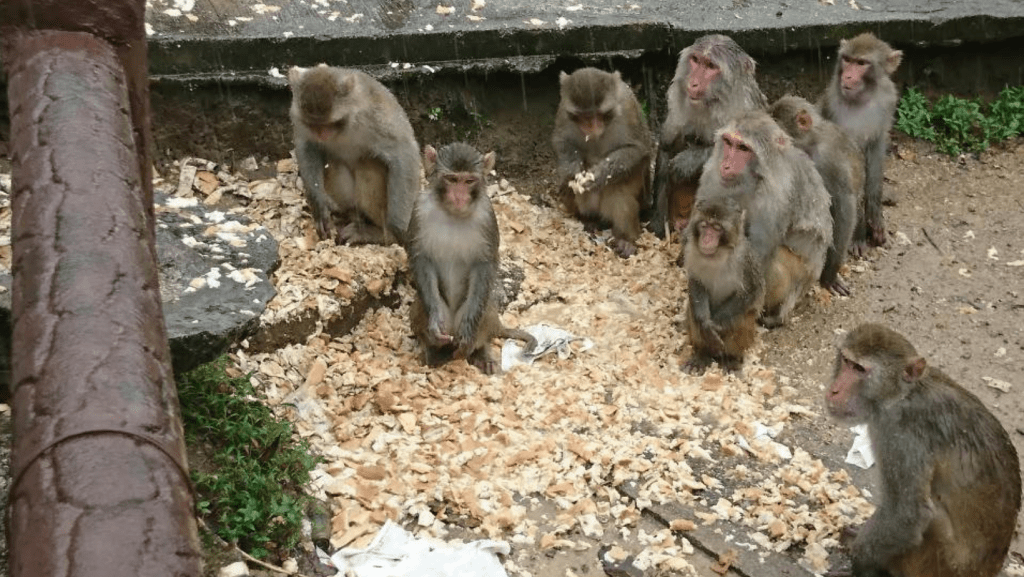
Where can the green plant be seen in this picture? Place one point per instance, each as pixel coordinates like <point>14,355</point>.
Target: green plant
<point>250,485</point>
<point>957,124</point>
<point>435,113</point>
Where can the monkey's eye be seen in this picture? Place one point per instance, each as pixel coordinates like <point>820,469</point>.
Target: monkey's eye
<point>857,367</point>
<point>450,179</point>
<point>470,181</point>
<point>743,147</point>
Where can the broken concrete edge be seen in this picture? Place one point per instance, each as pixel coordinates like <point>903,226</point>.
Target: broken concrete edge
<point>716,544</point>
<point>270,337</point>
<point>250,59</point>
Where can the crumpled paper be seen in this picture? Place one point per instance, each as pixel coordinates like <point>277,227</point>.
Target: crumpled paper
<point>860,453</point>
<point>395,551</point>
<point>761,432</point>
<point>549,339</point>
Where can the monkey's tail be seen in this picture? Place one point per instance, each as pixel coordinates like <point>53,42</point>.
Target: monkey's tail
<point>520,334</point>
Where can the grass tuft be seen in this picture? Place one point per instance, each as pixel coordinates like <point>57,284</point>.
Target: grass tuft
<point>957,125</point>
<point>250,490</point>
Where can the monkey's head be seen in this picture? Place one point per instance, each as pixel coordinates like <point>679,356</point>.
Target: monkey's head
<point>319,96</point>
<point>458,176</point>
<point>796,116</point>
<point>862,62</point>
<point>874,365</point>
<point>749,141</point>
<point>717,223</point>
<point>712,65</point>
<point>591,99</point>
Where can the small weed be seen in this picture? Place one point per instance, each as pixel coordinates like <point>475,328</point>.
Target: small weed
<point>435,113</point>
<point>252,493</point>
<point>957,124</point>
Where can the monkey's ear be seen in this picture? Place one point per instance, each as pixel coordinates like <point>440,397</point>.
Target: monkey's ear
<point>562,77</point>
<point>294,74</point>
<point>803,120</point>
<point>429,160</point>
<point>843,43</point>
<point>892,62</point>
<point>749,65</point>
<point>489,160</point>
<point>346,85</point>
<point>914,369</point>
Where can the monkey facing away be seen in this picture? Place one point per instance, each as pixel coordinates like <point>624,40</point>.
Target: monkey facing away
<point>603,153</point>
<point>861,98</point>
<point>357,155</point>
<point>714,81</point>
<point>453,255</point>
<point>726,285</point>
<point>787,205</point>
<point>950,477</point>
<point>841,165</point>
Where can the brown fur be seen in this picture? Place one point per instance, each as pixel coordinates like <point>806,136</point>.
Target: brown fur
<point>726,289</point>
<point>688,132</point>
<point>361,180</point>
<point>950,476</point>
<point>454,261</point>
<point>619,157</point>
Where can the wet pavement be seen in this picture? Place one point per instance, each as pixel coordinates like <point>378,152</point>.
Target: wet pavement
<point>243,40</point>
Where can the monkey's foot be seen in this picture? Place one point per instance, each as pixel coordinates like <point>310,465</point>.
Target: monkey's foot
<point>481,359</point>
<point>359,233</point>
<point>837,287</point>
<point>877,237</point>
<point>859,248</point>
<point>697,364</point>
<point>771,321</point>
<point>624,248</point>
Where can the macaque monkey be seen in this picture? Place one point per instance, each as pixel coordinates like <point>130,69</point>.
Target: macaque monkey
<point>861,99</point>
<point>357,155</point>
<point>603,151</point>
<point>841,165</point>
<point>755,162</point>
<point>726,285</point>
<point>714,81</point>
<point>950,478</point>
<point>453,255</point>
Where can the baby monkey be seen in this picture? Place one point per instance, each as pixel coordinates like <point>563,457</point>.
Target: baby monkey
<point>453,254</point>
<point>726,285</point>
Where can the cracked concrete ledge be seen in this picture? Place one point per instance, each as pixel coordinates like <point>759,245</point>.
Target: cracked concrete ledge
<point>234,41</point>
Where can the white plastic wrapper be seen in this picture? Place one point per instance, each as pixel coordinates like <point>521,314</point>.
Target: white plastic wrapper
<point>860,452</point>
<point>549,339</point>
<point>395,551</point>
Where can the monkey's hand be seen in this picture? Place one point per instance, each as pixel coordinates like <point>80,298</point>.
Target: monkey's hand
<point>436,332</point>
<point>688,164</point>
<point>713,332</point>
<point>323,216</point>
<point>876,233</point>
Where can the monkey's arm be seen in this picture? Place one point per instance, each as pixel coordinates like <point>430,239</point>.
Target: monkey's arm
<point>906,508</point>
<point>618,163</point>
<point>700,304</point>
<point>425,275</point>
<point>478,291</point>
<point>568,158</point>
<point>874,164</point>
<point>403,183</point>
<point>660,192</point>
<point>311,160</point>
<point>688,164</point>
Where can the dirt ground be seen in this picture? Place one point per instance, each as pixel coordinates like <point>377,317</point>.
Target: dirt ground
<point>950,280</point>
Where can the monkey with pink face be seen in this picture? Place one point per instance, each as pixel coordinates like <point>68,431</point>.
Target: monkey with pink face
<point>861,98</point>
<point>787,206</point>
<point>714,81</point>
<point>950,475</point>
